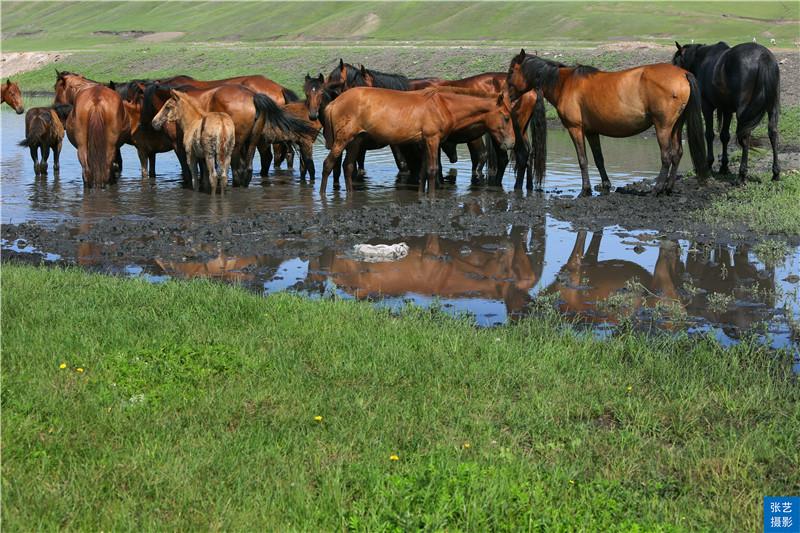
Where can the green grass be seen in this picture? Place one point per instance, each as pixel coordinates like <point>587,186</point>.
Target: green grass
<point>788,126</point>
<point>766,207</point>
<point>195,410</point>
<point>62,26</point>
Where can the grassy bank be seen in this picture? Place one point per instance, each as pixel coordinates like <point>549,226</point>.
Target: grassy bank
<point>58,26</point>
<point>192,405</point>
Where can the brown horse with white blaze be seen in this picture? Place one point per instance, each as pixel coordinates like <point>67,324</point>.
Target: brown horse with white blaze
<point>11,95</point>
<point>591,103</point>
<point>97,126</point>
<point>424,117</point>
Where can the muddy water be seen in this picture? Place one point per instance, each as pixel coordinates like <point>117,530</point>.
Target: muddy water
<point>601,278</point>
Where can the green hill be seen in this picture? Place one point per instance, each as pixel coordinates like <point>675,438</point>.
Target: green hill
<point>61,26</point>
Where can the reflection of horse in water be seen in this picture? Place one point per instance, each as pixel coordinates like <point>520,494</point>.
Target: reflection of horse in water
<point>585,283</point>
<point>494,269</point>
<point>228,268</point>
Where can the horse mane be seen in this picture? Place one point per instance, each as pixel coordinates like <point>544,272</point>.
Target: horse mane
<point>585,70</point>
<point>543,72</point>
<point>387,81</point>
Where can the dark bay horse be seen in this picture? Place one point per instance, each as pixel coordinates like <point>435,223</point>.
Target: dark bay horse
<point>44,130</point>
<point>400,117</point>
<point>744,80</point>
<point>148,142</point>
<point>11,95</point>
<point>303,139</point>
<point>591,103</point>
<point>97,126</point>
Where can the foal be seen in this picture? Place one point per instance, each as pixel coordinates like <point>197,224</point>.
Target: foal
<point>207,136</point>
<point>44,130</point>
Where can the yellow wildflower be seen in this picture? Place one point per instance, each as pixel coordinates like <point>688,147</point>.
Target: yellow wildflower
<point>571,482</point>
<point>62,366</point>
<point>394,457</point>
<point>318,418</point>
<point>465,445</point>
<point>630,388</point>
<point>79,369</point>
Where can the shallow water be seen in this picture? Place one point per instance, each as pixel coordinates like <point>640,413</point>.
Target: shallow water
<point>601,278</point>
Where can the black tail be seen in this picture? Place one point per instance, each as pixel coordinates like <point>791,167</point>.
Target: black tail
<point>694,130</point>
<point>765,96</point>
<point>290,96</point>
<point>37,128</point>
<point>278,119</point>
<point>539,138</point>
<point>491,155</point>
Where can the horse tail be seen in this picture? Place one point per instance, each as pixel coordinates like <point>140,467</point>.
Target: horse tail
<point>96,146</point>
<point>694,129</point>
<point>37,131</point>
<point>327,127</point>
<point>765,96</point>
<point>278,119</point>
<point>289,95</point>
<point>539,138</point>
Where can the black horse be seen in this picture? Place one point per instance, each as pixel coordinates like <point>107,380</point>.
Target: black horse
<point>744,80</point>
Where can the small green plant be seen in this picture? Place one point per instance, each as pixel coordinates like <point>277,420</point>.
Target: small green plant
<point>771,252</point>
<point>719,302</point>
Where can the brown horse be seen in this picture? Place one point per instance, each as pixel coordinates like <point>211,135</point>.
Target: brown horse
<point>303,139</point>
<point>255,82</point>
<point>399,117</point>
<point>148,142</point>
<point>97,126</point>
<point>43,131</point>
<point>591,103</point>
<point>207,136</point>
<point>11,95</point>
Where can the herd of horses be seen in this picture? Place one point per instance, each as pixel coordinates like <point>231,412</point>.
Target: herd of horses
<point>214,125</point>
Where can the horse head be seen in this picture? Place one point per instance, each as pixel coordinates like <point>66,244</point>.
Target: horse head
<point>13,96</point>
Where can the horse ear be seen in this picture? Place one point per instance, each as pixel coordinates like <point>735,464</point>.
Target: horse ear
<point>8,81</point>
<point>522,52</point>
<point>112,85</point>
<point>500,99</point>
<point>363,71</point>
<point>307,76</point>
<point>321,78</point>
<point>341,63</point>
<point>679,46</point>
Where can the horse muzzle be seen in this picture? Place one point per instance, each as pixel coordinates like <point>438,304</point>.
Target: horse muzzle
<point>20,110</point>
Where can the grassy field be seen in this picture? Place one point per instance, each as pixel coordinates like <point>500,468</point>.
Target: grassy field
<point>58,26</point>
<point>193,405</point>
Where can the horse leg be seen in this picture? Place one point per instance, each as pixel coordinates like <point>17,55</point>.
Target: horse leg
<point>772,128</point>
<point>265,152</point>
<point>477,154</point>
<point>193,163</point>
<point>676,153</point>
<point>142,161</point>
<point>279,151</point>
<point>724,137</point>
<point>45,155</point>
<point>337,171</point>
<point>56,155</point>
<point>400,160</point>
<point>84,161</point>
<point>580,149</point>
<point>289,155</point>
<point>744,142</point>
<point>502,163</point>
<point>35,156</point>
<point>118,163</point>
<point>307,161</point>
<point>211,164</point>
<point>331,163</point>
<point>354,151</point>
<point>708,117</point>
<point>599,162</point>
<point>521,154</point>
<point>663,135</point>
<point>432,158</point>
<point>152,170</point>
<point>362,155</point>
<point>186,172</point>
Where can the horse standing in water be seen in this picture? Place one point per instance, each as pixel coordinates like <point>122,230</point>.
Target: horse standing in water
<point>97,126</point>
<point>591,103</point>
<point>399,117</point>
<point>11,95</point>
<point>744,80</point>
<point>207,136</point>
<point>44,130</point>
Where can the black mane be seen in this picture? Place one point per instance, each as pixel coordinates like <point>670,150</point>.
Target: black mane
<point>383,80</point>
<point>544,72</point>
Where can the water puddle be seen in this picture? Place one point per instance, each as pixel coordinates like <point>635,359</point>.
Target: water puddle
<point>601,279</point>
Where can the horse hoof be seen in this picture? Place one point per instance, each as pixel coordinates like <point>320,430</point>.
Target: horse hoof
<point>585,193</point>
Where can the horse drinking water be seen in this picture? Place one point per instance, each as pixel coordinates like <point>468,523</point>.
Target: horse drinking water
<point>591,103</point>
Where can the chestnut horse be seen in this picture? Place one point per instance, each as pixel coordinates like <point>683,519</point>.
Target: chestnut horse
<point>255,82</point>
<point>399,117</point>
<point>11,95</point>
<point>207,136</point>
<point>591,103</point>
<point>43,131</point>
<point>97,126</point>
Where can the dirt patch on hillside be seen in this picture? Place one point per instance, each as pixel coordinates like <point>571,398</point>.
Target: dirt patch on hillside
<point>368,25</point>
<point>14,63</point>
<point>161,36</point>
